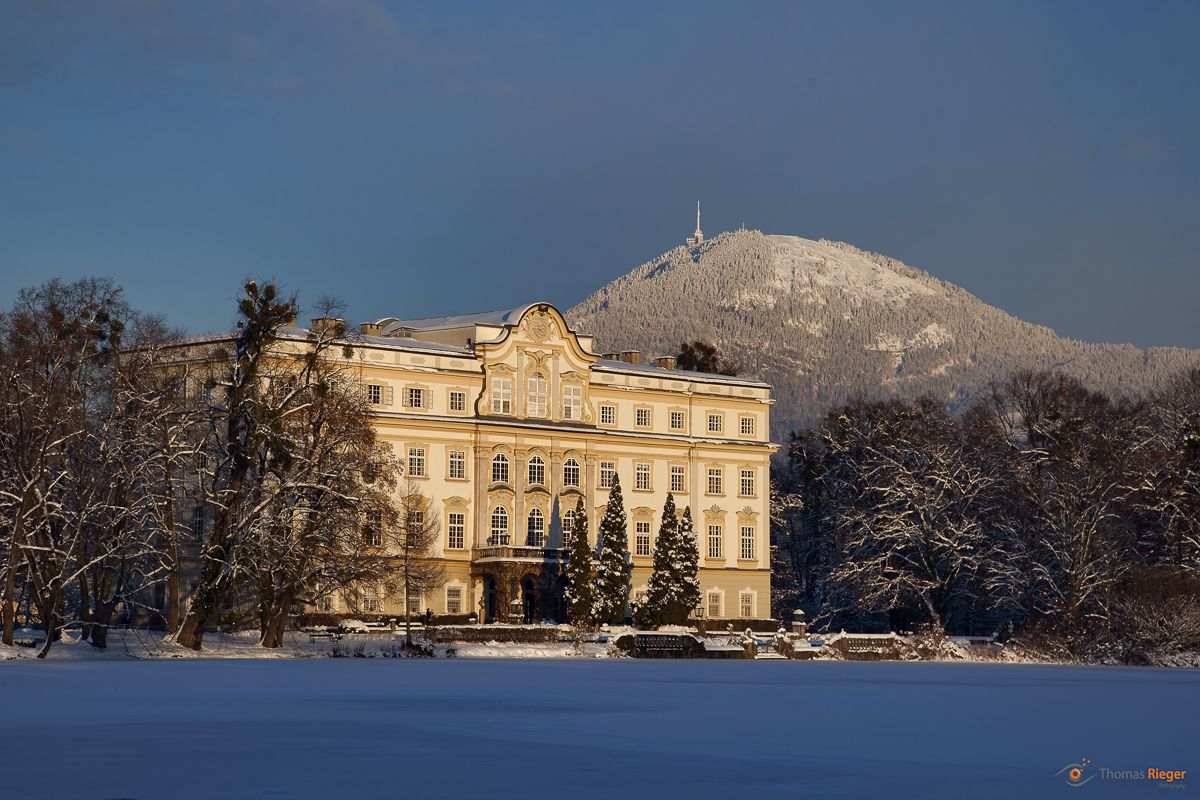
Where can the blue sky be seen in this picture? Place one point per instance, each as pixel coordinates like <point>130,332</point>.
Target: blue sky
<point>420,159</point>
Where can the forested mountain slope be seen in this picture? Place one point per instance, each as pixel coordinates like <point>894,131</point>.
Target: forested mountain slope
<point>824,321</point>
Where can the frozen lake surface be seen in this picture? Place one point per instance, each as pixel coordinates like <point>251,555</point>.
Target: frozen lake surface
<point>581,729</point>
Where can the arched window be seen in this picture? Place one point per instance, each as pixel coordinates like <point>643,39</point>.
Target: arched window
<point>570,472</point>
<point>499,468</point>
<point>536,534</point>
<point>499,526</point>
<point>537,471</point>
<point>536,396</point>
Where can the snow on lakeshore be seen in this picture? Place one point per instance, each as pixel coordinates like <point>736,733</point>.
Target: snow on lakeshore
<point>311,728</point>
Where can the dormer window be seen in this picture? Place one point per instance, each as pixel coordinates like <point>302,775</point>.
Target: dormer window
<point>502,389</point>
<point>536,397</point>
<point>572,402</point>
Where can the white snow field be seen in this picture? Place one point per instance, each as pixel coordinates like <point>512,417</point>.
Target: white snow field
<point>394,728</point>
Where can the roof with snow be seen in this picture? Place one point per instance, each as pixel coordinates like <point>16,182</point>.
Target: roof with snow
<point>508,316</point>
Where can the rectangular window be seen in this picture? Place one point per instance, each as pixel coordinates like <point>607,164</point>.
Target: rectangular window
<point>371,602</point>
<point>458,401</point>
<point>716,480</point>
<point>716,423</point>
<point>456,530</point>
<point>678,478</point>
<point>716,542</point>
<point>501,395</point>
<point>416,526</point>
<point>373,529</point>
<point>572,402</point>
<point>414,398</point>
<point>746,484</point>
<point>678,421</point>
<point>642,477</point>
<point>413,602</point>
<point>535,396</point>
<point>416,462</point>
<point>325,604</point>
<point>198,522</point>
<point>746,425</point>
<point>714,605</point>
<point>747,551</point>
<point>379,395</point>
<point>641,539</point>
<point>643,418</point>
<point>607,470</point>
<point>608,415</point>
<point>457,465</point>
<point>454,599</point>
<point>746,605</point>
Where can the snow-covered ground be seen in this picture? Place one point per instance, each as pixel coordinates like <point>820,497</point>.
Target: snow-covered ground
<point>583,728</point>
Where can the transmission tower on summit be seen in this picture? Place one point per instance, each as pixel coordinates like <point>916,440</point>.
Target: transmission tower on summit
<point>698,235</point>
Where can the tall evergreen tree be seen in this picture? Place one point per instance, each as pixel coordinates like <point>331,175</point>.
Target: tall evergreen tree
<point>578,595</point>
<point>614,568</point>
<point>674,589</point>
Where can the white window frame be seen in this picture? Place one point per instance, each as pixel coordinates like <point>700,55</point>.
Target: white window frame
<point>412,603</point>
<point>746,605</point>
<point>536,395</point>
<point>499,527</point>
<point>709,604</point>
<point>457,400</point>
<point>456,530</point>
<point>678,479</point>
<point>643,474</point>
<point>716,481</point>
<point>608,414</point>
<point>748,482</point>
<point>535,528</point>
<point>747,543</point>
<point>642,544</point>
<point>716,423</point>
<point>535,471</point>
<point>747,425</point>
<point>500,468</point>
<point>571,472</point>
<point>716,542</point>
<point>572,402</point>
<point>608,470</point>
<point>643,418</point>
<point>416,462</point>
<point>456,465</point>
<point>681,418</point>
<point>414,397</point>
<point>372,528</point>
<point>502,389</point>
<point>454,602</point>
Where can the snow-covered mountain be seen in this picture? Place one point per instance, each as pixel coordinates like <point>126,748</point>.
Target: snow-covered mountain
<point>824,321</point>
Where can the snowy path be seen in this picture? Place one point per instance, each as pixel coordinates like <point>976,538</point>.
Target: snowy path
<point>574,729</point>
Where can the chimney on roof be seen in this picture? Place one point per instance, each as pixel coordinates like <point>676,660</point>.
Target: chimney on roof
<point>370,329</point>
<point>665,362</point>
<point>331,326</point>
<point>631,356</point>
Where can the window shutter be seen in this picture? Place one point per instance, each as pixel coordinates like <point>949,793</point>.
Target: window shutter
<point>388,395</point>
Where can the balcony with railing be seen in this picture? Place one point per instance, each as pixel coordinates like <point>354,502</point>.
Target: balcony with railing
<point>508,552</point>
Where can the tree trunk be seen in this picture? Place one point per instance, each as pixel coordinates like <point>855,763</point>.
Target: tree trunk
<point>101,621</point>
<point>276,623</point>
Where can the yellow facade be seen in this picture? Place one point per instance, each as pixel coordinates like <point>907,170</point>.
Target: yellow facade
<point>509,418</point>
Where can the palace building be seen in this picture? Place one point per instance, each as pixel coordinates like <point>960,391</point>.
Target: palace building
<point>507,419</point>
